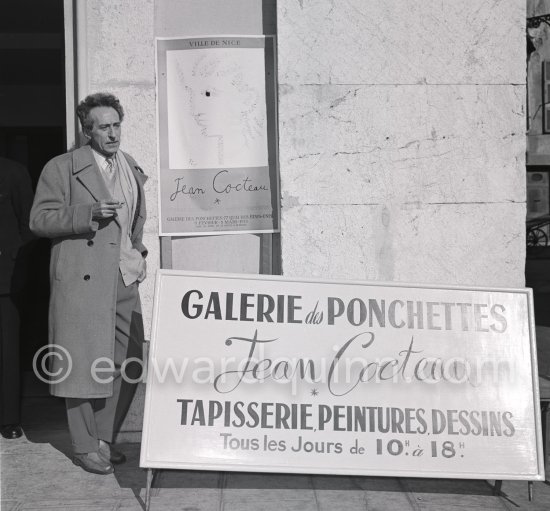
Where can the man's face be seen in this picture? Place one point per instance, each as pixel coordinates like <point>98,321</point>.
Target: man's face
<point>105,132</point>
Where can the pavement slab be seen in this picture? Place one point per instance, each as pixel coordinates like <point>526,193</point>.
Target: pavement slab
<point>269,505</point>
<point>327,482</point>
<point>75,505</point>
<point>385,484</point>
<point>268,487</point>
<point>389,501</point>
<point>327,500</point>
<point>184,500</point>
<point>189,479</point>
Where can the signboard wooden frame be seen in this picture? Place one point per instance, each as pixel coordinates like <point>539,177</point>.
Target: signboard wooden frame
<point>504,322</point>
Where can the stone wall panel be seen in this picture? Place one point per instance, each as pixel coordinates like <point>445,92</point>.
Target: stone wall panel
<point>401,41</point>
<point>121,42</point>
<point>369,144</point>
<point>455,244</point>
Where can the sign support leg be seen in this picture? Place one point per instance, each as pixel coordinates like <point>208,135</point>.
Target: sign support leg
<point>150,477</point>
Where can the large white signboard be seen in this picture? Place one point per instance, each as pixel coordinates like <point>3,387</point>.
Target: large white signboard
<point>217,135</point>
<point>282,375</point>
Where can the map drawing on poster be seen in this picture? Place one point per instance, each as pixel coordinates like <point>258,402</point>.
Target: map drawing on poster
<point>217,136</point>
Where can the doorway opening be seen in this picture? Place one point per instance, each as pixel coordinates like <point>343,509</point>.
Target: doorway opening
<point>32,131</point>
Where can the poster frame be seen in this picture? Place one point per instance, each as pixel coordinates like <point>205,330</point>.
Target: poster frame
<point>274,172</point>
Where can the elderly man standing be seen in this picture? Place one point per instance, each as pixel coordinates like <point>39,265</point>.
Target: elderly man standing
<point>91,203</point>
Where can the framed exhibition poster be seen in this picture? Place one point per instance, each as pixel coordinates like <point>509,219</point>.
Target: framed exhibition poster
<point>217,135</point>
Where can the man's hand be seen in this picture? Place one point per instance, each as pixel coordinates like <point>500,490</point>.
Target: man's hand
<point>105,209</point>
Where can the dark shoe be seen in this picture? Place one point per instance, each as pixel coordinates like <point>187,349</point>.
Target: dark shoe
<point>109,453</point>
<point>12,431</point>
<point>93,462</point>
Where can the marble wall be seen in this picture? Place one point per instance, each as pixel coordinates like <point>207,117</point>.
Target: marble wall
<point>402,140</point>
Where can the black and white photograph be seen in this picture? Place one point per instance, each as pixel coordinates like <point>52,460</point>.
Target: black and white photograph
<point>274,255</point>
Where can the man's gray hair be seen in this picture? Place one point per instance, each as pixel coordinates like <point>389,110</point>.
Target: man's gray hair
<point>94,100</point>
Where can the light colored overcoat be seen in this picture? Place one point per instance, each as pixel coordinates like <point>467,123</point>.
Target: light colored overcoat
<point>84,266</point>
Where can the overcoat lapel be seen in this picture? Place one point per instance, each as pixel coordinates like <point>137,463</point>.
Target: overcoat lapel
<point>87,173</point>
<point>141,178</point>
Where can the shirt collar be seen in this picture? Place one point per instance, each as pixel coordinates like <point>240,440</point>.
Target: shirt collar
<point>100,159</point>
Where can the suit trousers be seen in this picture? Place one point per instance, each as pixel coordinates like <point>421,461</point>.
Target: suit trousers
<point>9,361</point>
<point>91,420</point>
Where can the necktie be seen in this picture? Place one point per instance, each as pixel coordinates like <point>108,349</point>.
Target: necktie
<point>110,170</point>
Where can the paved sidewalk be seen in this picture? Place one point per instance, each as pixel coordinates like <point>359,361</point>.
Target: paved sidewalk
<point>37,474</point>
